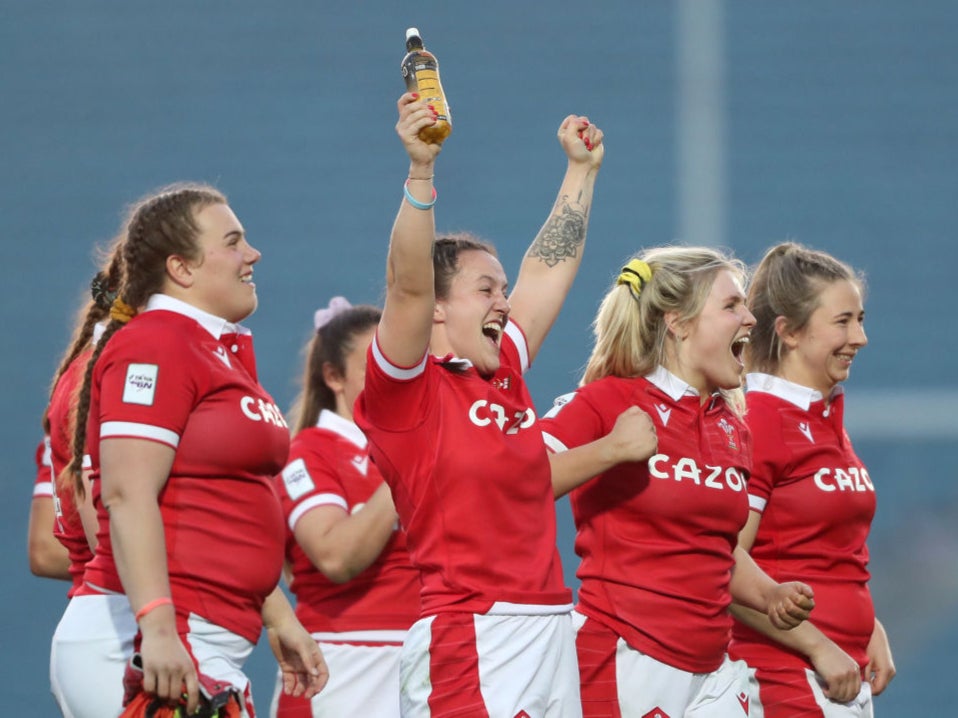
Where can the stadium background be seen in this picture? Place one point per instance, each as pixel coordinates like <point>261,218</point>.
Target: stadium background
<point>735,123</point>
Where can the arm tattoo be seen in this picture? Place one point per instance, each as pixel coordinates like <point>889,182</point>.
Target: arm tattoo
<point>562,235</point>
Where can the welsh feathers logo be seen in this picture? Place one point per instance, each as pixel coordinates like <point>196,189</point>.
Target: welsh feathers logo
<point>729,433</point>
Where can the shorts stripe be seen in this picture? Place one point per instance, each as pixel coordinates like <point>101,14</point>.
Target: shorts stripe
<point>596,648</point>
<point>786,694</point>
<point>454,667</point>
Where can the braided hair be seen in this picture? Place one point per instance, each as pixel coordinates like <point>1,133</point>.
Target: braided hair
<point>158,226</point>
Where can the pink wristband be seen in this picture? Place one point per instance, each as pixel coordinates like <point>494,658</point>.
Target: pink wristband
<point>155,603</point>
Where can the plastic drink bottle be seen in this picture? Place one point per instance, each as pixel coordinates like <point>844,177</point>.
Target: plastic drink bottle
<point>420,70</point>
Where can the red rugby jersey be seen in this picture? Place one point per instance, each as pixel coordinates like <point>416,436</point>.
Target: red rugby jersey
<point>329,466</point>
<point>68,527</point>
<point>656,538</point>
<point>184,378</point>
<point>43,484</point>
<point>464,458</point>
<point>817,502</point>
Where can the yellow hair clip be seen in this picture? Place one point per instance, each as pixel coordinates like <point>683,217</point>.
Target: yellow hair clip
<point>121,312</point>
<point>635,274</point>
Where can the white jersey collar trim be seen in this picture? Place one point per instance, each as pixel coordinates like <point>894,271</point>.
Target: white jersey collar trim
<point>98,330</point>
<point>217,326</point>
<point>801,396</point>
<point>667,382</point>
<point>331,421</point>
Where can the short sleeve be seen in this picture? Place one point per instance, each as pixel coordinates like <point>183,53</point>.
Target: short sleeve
<point>394,398</point>
<point>572,421</point>
<point>767,456</point>
<point>147,388</point>
<point>310,479</point>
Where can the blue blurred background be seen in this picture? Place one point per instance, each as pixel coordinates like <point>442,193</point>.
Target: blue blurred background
<point>734,123</point>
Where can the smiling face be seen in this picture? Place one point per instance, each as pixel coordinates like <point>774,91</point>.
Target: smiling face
<point>469,321</point>
<point>223,276</point>
<point>820,354</point>
<point>708,353</point>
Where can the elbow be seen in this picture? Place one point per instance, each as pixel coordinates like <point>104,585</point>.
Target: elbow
<point>38,566</point>
<point>335,567</point>
<point>46,561</point>
<point>337,571</point>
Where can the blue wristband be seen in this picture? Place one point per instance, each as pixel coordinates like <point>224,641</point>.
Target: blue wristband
<point>415,202</point>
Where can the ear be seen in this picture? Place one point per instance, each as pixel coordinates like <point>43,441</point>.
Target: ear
<point>180,271</point>
<point>788,337</point>
<point>439,313</point>
<point>677,328</point>
<point>332,378</point>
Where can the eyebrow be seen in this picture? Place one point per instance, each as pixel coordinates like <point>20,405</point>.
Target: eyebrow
<point>490,278</point>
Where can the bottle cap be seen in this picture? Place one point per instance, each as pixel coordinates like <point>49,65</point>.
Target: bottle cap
<point>412,32</point>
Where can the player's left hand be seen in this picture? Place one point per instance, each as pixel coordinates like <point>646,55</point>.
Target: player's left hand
<point>300,659</point>
<point>582,141</point>
<point>881,666</point>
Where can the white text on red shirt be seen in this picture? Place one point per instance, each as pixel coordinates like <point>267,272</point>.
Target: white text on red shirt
<point>687,468</point>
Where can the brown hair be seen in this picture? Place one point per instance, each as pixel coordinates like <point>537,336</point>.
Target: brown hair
<point>445,258</point>
<point>329,345</point>
<point>158,226</point>
<point>96,309</point>
<point>788,283</point>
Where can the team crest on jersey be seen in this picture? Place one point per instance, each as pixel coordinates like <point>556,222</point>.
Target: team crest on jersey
<point>502,384</point>
<point>140,384</point>
<point>729,430</point>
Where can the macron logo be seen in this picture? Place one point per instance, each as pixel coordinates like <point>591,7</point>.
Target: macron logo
<point>361,463</point>
<point>220,353</point>
<point>743,701</point>
<point>664,413</point>
<point>806,430</point>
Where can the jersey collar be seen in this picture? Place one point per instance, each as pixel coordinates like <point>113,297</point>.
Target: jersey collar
<point>331,421</point>
<point>216,326</point>
<point>670,385</point>
<point>801,396</point>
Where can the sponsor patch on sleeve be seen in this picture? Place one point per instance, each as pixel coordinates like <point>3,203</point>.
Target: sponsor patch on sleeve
<point>140,385</point>
<point>297,479</point>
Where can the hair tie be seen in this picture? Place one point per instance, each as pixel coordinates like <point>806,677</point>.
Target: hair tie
<point>121,312</point>
<point>337,305</point>
<point>100,290</point>
<point>636,274</point>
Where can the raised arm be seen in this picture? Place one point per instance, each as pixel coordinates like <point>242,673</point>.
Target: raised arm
<point>553,258</point>
<point>406,323</point>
